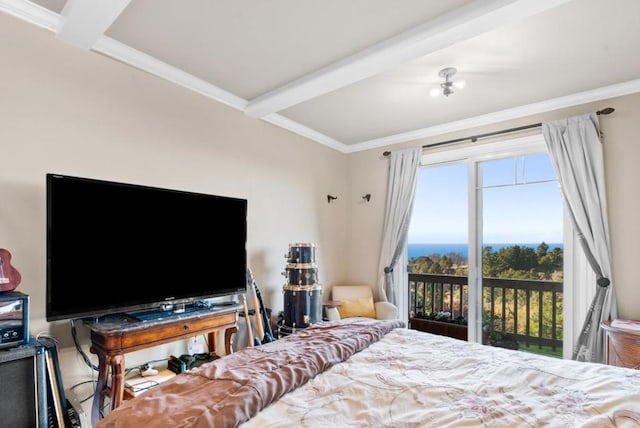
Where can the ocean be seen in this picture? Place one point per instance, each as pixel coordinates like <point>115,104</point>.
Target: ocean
<point>417,250</point>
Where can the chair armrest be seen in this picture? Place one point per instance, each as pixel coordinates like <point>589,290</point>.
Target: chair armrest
<point>332,314</point>
<point>386,311</point>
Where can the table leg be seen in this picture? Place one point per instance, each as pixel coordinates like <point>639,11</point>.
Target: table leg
<point>212,338</point>
<point>227,339</point>
<point>101,387</point>
<point>117,380</point>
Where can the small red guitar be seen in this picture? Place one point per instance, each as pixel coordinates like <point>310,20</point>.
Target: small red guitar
<point>9,276</point>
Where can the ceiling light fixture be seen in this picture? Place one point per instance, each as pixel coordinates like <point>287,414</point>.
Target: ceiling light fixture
<point>446,88</point>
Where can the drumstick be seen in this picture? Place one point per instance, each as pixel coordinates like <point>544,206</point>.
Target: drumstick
<point>247,320</point>
<point>258,313</point>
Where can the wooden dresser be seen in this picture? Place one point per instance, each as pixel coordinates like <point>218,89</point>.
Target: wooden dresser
<point>622,346</point>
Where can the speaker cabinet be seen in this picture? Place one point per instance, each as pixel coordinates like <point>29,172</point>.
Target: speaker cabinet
<point>23,394</point>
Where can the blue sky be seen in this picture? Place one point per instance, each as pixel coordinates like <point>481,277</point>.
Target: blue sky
<point>528,213</point>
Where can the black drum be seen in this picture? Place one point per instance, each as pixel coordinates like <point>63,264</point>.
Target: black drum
<point>301,273</point>
<point>302,305</point>
<point>301,253</point>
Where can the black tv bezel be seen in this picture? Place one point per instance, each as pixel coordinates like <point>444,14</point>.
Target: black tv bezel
<point>152,304</point>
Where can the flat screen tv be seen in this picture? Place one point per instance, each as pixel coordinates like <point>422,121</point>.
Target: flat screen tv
<point>115,247</point>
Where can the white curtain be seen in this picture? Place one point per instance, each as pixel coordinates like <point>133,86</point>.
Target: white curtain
<point>576,153</point>
<point>401,189</point>
<point>576,297</point>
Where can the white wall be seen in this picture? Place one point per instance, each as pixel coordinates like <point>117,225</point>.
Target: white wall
<point>72,112</point>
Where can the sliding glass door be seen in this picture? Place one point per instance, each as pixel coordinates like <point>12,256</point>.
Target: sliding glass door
<point>486,245</point>
<point>521,240</point>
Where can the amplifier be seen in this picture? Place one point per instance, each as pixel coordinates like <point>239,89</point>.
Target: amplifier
<point>23,396</point>
<point>14,319</point>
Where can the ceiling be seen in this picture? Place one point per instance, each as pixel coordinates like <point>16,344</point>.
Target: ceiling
<point>356,74</point>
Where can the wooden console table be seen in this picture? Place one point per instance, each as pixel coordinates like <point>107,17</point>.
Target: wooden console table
<point>114,337</point>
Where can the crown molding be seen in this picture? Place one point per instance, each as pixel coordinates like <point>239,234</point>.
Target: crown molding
<point>306,132</point>
<point>32,13</point>
<point>142,61</point>
<point>605,92</point>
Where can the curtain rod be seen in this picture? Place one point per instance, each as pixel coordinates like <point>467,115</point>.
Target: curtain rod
<point>474,138</point>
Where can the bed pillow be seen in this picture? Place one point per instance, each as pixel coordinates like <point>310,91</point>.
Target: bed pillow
<point>357,308</point>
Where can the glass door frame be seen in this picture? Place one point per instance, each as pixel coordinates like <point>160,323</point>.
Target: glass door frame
<point>473,155</point>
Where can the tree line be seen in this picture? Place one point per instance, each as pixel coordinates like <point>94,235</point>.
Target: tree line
<point>515,262</point>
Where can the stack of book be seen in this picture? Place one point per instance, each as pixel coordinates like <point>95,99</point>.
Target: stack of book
<point>138,384</point>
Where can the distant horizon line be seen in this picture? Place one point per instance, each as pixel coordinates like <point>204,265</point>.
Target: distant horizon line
<point>427,249</point>
<point>489,243</point>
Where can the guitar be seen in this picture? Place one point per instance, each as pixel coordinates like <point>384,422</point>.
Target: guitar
<point>256,339</point>
<point>257,313</point>
<point>266,324</point>
<point>250,341</point>
<point>9,276</point>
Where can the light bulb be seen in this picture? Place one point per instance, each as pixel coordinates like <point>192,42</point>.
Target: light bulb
<point>435,92</point>
<point>460,84</point>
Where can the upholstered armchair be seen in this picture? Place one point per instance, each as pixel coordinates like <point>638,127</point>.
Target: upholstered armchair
<point>357,301</point>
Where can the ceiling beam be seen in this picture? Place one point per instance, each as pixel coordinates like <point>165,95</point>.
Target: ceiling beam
<point>463,23</point>
<point>83,22</point>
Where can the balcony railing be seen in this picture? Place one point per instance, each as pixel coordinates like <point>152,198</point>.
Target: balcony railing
<point>522,310</point>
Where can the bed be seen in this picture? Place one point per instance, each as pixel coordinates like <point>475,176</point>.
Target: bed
<point>370,373</point>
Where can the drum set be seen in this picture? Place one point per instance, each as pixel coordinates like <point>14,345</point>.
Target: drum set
<point>302,293</point>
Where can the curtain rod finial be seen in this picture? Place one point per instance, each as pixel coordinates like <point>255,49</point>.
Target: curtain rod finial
<point>606,110</point>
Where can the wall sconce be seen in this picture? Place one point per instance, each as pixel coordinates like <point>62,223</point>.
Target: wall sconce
<point>367,197</point>
<point>331,198</point>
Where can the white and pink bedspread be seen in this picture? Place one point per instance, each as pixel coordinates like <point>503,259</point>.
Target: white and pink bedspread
<point>368,373</point>
<point>415,379</point>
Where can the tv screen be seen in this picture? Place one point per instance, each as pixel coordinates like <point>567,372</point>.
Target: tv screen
<point>116,247</point>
